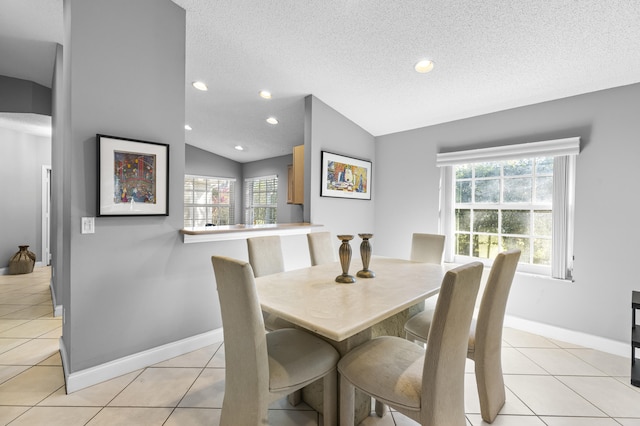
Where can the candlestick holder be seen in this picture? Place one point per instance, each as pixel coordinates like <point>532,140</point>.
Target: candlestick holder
<point>345,259</point>
<point>365,253</point>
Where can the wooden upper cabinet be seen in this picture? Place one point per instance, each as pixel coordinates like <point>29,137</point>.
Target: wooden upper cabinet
<point>296,177</point>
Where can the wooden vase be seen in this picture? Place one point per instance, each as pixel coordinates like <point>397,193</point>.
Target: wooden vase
<point>345,259</point>
<point>365,253</point>
<point>22,262</point>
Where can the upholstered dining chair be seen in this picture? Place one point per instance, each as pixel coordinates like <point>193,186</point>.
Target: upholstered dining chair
<point>265,255</point>
<point>321,248</point>
<point>426,385</point>
<point>427,248</point>
<point>485,335</point>
<point>264,367</point>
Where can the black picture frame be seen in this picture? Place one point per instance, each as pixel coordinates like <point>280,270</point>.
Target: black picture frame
<point>133,177</point>
<point>345,177</point>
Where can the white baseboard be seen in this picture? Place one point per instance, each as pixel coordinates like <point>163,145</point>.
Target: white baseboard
<point>570,336</point>
<point>100,373</point>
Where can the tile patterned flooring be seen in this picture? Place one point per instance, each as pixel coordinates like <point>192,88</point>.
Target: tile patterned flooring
<point>548,382</point>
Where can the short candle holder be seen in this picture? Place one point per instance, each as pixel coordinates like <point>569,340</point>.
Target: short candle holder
<point>345,260</point>
<point>365,253</point>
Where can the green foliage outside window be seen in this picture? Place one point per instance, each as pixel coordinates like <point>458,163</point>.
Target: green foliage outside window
<point>505,205</point>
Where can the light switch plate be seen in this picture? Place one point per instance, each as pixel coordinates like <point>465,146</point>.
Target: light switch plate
<point>88,225</point>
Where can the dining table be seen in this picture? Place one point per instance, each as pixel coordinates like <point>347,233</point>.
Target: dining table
<point>347,315</point>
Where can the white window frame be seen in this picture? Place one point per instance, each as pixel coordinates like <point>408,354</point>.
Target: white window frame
<point>231,205</point>
<point>564,152</point>
<point>248,198</point>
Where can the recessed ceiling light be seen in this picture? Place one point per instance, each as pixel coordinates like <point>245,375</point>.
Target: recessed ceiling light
<point>200,86</point>
<point>424,66</point>
<point>272,120</point>
<point>187,127</point>
<point>264,94</point>
<point>239,148</point>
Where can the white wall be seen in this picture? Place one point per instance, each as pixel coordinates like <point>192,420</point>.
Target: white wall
<point>22,156</point>
<point>606,235</point>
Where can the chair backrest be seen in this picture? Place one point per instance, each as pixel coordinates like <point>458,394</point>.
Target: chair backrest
<point>246,358</point>
<point>488,333</point>
<point>321,248</point>
<point>446,353</point>
<point>265,255</point>
<point>427,248</point>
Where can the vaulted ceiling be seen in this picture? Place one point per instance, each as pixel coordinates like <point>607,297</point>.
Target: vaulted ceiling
<point>358,57</point>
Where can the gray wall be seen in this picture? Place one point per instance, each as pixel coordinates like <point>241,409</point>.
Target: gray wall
<point>598,302</point>
<point>22,156</point>
<point>287,213</point>
<point>18,95</point>
<point>59,222</point>
<point>328,130</point>
<point>130,286</point>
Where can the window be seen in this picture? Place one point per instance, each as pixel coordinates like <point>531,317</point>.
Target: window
<point>208,200</point>
<point>261,200</point>
<point>518,196</point>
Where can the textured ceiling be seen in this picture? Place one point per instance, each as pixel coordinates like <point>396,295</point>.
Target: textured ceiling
<point>357,56</point>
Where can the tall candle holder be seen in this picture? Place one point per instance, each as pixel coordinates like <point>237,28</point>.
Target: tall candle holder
<point>345,260</point>
<point>365,253</point>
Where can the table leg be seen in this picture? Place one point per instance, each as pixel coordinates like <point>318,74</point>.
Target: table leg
<point>393,326</point>
<point>312,394</point>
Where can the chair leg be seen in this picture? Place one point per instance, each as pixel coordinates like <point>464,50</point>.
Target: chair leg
<point>330,399</point>
<point>490,387</point>
<point>347,402</point>
<point>381,409</point>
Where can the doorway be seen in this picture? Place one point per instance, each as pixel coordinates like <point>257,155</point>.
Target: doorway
<point>46,215</point>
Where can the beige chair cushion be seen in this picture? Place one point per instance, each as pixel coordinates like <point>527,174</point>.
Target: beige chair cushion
<point>398,380</point>
<point>296,357</point>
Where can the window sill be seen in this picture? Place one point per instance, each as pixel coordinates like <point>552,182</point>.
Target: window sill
<point>546,277</point>
<point>240,232</point>
<point>535,275</point>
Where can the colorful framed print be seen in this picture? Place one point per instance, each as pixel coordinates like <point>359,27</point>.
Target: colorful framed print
<point>133,177</point>
<point>345,177</point>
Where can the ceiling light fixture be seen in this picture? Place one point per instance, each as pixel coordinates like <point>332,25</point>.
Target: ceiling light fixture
<point>239,147</point>
<point>187,127</point>
<point>424,66</point>
<point>272,120</point>
<point>265,94</point>
<point>200,86</point>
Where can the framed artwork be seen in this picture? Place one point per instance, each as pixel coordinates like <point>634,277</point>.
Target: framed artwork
<point>133,177</point>
<point>345,177</point>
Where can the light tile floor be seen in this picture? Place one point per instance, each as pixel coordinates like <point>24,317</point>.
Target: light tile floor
<point>548,382</point>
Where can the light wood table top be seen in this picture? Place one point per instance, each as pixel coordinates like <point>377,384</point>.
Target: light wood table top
<point>312,299</point>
